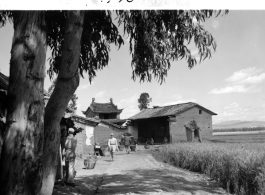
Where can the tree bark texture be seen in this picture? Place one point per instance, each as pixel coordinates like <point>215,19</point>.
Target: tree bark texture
<point>21,161</point>
<point>67,83</point>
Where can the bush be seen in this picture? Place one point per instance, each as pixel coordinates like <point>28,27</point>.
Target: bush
<point>239,168</point>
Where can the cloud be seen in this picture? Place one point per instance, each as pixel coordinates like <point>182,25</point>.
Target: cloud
<point>85,86</point>
<point>234,111</point>
<point>125,89</point>
<point>180,101</point>
<point>171,100</point>
<point>100,94</point>
<point>243,81</point>
<point>256,79</point>
<point>130,106</point>
<point>230,89</point>
<point>233,105</point>
<point>132,99</point>
<point>248,75</point>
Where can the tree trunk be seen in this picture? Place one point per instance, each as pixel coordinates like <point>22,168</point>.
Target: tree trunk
<point>21,160</point>
<point>67,83</point>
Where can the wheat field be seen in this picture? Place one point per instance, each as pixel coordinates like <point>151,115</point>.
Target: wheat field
<point>238,167</point>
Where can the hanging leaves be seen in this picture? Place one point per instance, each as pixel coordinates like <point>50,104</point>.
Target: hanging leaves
<point>160,36</point>
<point>99,32</point>
<point>156,37</point>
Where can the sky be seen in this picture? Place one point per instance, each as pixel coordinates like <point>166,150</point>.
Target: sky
<point>231,83</point>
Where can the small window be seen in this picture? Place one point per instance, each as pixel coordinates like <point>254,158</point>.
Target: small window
<point>200,111</point>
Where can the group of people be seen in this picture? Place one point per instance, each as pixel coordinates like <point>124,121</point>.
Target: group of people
<point>126,141</point>
<point>113,144</point>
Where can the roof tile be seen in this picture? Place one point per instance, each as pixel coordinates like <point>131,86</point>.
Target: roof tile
<point>167,111</point>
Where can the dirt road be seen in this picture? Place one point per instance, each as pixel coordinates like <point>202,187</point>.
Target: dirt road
<point>138,173</point>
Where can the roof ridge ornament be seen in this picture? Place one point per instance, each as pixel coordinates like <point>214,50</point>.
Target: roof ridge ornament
<point>111,100</point>
<point>93,100</point>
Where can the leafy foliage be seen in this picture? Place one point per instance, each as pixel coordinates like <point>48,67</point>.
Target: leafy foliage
<point>156,38</point>
<point>98,33</point>
<point>144,101</point>
<point>159,36</point>
<point>4,16</point>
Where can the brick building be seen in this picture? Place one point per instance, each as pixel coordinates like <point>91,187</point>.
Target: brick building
<point>170,122</point>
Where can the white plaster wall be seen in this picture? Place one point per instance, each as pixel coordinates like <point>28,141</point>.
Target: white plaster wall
<point>89,135</point>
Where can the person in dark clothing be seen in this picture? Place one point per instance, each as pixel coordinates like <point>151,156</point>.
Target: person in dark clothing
<point>152,141</point>
<point>127,143</point>
<point>97,149</point>
<point>165,141</point>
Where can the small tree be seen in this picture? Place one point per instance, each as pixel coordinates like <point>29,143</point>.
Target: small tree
<point>144,101</point>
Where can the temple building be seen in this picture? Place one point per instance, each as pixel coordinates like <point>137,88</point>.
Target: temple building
<point>101,119</point>
<point>102,110</point>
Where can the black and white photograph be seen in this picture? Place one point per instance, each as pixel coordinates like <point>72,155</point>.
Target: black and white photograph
<point>119,97</point>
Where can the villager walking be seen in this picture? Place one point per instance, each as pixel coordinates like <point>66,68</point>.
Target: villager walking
<point>113,145</point>
<point>70,146</point>
<point>127,143</point>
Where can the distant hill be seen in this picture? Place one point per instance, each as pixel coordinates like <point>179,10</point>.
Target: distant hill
<point>238,124</point>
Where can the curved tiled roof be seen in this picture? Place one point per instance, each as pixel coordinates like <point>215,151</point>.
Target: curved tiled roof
<point>96,121</point>
<point>167,111</point>
<point>103,108</point>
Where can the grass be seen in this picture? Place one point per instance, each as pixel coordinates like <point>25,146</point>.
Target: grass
<point>239,168</point>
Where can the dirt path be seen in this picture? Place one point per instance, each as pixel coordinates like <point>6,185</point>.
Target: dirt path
<point>138,173</point>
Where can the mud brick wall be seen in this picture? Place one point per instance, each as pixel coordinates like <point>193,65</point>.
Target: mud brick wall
<point>102,133</point>
<point>203,120</point>
<point>81,140</point>
<point>82,150</point>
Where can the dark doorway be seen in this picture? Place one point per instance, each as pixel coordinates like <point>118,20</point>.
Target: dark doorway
<point>156,128</point>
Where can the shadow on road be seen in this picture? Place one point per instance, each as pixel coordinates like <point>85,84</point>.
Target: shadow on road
<point>147,181</point>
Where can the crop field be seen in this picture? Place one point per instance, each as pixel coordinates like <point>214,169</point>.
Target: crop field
<point>239,138</point>
<point>240,129</point>
<point>238,167</point>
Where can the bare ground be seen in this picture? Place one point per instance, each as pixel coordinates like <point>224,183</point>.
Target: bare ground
<point>137,173</point>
